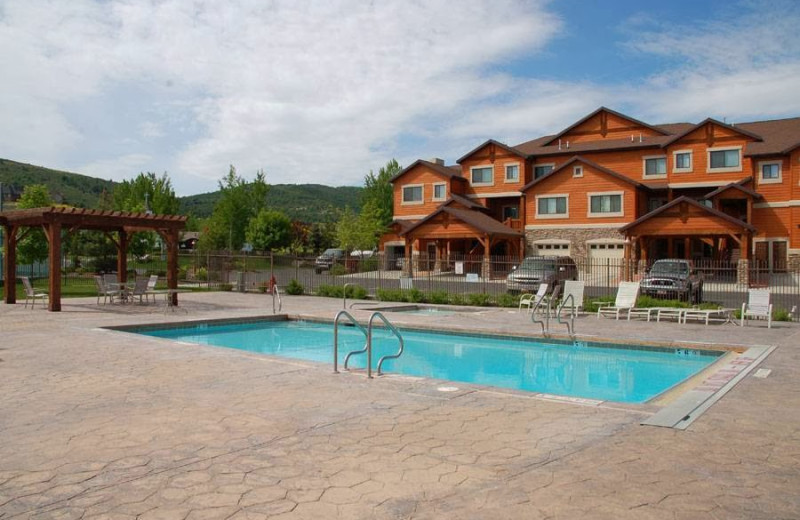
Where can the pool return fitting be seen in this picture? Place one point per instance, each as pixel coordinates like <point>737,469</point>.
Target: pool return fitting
<point>368,345</point>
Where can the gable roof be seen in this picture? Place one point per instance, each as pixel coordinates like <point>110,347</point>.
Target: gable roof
<point>781,136</point>
<point>449,172</point>
<point>736,186</point>
<point>591,164</point>
<point>476,219</point>
<point>599,110</point>
<point>709,120</point>
<point>692,202</point>
<point>471,204</point>
<point>496,143</point>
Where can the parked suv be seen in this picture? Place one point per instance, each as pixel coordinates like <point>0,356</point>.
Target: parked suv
<point>326,260</point>
<point>536,270</point>
<point>673,279</point>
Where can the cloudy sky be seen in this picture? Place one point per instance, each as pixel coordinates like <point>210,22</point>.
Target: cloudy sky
<point>324,91</point>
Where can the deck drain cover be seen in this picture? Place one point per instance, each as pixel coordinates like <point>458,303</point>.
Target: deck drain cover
<point>762,373</point>
<point>448,389</point>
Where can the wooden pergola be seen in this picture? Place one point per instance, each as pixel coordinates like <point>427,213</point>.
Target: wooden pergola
<point>55,221</point>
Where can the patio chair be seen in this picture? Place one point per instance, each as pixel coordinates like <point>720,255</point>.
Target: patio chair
<point>757,306</point>
<point>627,293</point>
<point>531,301</point>
<point>151,287</point>
<point>30,293</point>
<point>105,291</point>
<point>575,289</point>
<point>139,289</point>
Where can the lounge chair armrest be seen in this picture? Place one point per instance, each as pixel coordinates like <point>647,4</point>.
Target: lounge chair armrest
<point>600,305</point>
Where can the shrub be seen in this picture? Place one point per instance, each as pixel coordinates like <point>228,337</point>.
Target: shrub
<point>591,306</point>
<point>368,264</point>
<point>202,274</point>
<point>225,287</point>
<point>781,315</point>
<point>331,291</point>
<point>479,299</point>
<point>438,297</point>
<point>456,299</point>
<point>337,270</point>
<point>356,292</point>
<point>648,301</point>
<point>390,295</point>
<point>507,300</point>
<point>414,296</point>
<point>294,287</point>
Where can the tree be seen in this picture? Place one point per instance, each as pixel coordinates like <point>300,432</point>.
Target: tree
<point>377,197</point>
<point>239,202</point>
<point>146,192</point>
<point>354,232</point>
<point>269,230</point>
<point>33,248</point>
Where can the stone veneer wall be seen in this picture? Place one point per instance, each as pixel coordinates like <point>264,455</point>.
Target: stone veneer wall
<point>577,238</point>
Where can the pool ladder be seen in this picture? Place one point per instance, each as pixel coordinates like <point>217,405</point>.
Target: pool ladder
<point>546,322</point>
<point>276,295</point>
<point>368,345</point>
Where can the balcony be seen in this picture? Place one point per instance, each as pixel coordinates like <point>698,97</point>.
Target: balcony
<point>513,223</point>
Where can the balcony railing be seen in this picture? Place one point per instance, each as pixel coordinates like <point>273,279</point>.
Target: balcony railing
<point>513,223</point>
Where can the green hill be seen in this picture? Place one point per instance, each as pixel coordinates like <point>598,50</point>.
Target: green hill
<point>65,187</point>
<point>306,202</point>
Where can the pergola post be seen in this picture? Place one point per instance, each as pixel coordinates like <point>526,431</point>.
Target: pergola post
<point>122,257</point>
<point>172,263</point>
<point>54,237</point>
<point>10,266</point>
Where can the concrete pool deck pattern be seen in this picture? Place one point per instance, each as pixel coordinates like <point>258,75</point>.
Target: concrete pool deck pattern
<point>103,424</point>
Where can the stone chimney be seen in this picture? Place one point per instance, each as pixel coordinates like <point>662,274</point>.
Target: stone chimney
<point>438,161</point>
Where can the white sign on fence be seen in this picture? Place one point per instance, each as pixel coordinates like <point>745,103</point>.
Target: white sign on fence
<point>459,267</point>
<point>406,282</point>
<point>473,277</point>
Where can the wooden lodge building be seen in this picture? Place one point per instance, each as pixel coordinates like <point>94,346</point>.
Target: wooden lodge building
<point>609,186</point>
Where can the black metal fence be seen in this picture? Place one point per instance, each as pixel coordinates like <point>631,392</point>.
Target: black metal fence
<point>449,278</point>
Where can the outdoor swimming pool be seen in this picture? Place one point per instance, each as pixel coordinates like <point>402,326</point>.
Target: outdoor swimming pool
<point>593,371</point>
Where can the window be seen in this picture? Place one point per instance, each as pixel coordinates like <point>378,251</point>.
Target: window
<point>412,194</point>
<point>770,172</point>
<point>655,166</point>
<point>439,191</point>
<point>510,212</point>
<point>683,161</point>
<point>551,207</point>
<point>577,171</point>
<point>724,160</point>
<point>482,175</point>
<point>542,170</point>
<point>605,204</point>
<point>512,172</point>
<point>655,203</point>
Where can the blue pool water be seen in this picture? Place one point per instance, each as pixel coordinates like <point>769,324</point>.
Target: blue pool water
<point>603,372</point>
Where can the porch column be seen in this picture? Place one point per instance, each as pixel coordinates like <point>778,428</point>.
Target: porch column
<point>626,259</point>
<point>437,264</point>
<point>407,270</point>
<point>10,265</point>
<point>172,263</point>
<point>687,248</point>
<point>486,268</point>
<point>122,257</point>
<point>54,236</point>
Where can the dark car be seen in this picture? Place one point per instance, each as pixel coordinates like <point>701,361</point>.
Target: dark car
<point>326,260</point>
<point>674,280</point>
<point>536,270</point>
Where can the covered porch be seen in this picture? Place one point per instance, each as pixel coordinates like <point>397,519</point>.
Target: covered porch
<point>58,223</point>
<point>452,233</point>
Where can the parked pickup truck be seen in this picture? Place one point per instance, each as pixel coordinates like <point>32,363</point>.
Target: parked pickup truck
<point>673,279</point>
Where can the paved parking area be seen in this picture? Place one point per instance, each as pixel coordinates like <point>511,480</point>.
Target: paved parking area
<point>101,424</point>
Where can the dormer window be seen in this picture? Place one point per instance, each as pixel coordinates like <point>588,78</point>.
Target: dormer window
<point>577,171</point>
<point>725,159</point>
<point>412,194</point>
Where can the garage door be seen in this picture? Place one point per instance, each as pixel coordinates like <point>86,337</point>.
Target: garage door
<point>552,248</point>
<point>602,250</point>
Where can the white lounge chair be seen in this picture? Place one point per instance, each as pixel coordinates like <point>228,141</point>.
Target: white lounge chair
<point>532,300</point>
<point>627,293</point>
<point>757,306</point>
<point>575,289</point>
<point>151,287</point>
<point>30,293</point>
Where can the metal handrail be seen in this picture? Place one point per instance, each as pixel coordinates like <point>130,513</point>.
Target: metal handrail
<point>336,339</point>
<point>571,323</point>
<point>540,322</point>
<point>394,331</point>
<point>344,295</point>
<point>276,292</point>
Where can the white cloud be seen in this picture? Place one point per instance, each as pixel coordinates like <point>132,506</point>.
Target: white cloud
<point>118,168</point>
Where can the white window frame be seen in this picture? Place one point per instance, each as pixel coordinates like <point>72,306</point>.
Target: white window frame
<point>675,168</point>
<point>404,202</point>
<point>551,244</point>
<point>577,171</point>
<point>657,175</point>
<point>480,167</point>
<point>762,180</point>
<point>519,173</point>
<point>552,215</point>
<point>551,165</point>
<point>433,191</point>
<point>620,213</point>
<point>709,169</point>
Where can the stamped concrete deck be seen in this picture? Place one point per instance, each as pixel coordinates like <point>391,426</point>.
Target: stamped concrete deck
<point>102,424</point>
